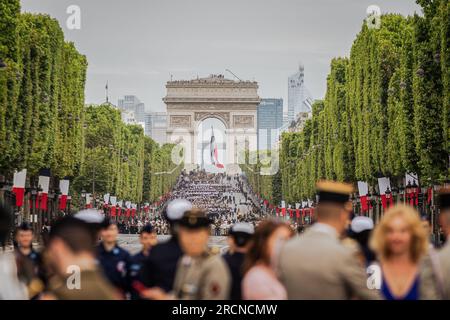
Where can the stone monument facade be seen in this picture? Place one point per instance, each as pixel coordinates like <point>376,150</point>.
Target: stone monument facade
<point>235,103</point>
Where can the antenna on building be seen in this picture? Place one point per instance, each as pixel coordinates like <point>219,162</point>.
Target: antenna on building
<point>228,70</point>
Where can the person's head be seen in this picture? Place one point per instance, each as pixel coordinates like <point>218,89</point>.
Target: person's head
<point>268,235</point>
<point>193,232</point>
<point>174,211</point>
<point>148,237</point>
<point>444,206</point>
<point>400,232</point>
<point>24,235</point>
<point>109,232</point>
<point>361,228</point>
<point>334,206</point>
<point>6,223</point>
<point>240,236</point>
<point>69,240</point>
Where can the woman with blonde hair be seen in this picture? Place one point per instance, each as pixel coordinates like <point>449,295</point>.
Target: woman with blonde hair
<point>400,242</point>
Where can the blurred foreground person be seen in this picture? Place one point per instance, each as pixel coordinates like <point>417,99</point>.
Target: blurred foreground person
<point>316,265</point>
<point>71,254</point>
<point>361,229</point>
<point>114,260</point>
<point>29,261</point>
<point>148,239</point>
<point>10,286</point>
<point>260,281</point>
<point>435,273</point>
<point>160,267</point>
<point>400,242</point>
<point>239,240</point>
<point>199,275</point>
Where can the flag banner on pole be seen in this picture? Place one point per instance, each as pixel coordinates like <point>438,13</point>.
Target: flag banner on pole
<point>19,186</point>
<point>363,189</point>
<point>64,188</point>
<point>44,184</point>
<point>384,184</point>
<point>106,198</point>
<point>113,200</point>
<point>214,151</point>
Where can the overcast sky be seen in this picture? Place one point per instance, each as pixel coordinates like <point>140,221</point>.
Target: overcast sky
<point>137,44</point>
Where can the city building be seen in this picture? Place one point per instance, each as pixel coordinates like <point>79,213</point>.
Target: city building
<point>299,99</point>
<point>156,126</point>
<point>132,103</point>
<point>270,120</point>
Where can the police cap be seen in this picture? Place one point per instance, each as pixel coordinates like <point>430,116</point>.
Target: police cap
<point>333,192</point>
<point>195,219</point>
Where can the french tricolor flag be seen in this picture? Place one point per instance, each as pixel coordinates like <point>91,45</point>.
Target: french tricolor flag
<point>214,151</point>
<point>19,186</point>
<point>44,183</point>
<point>64,188</point>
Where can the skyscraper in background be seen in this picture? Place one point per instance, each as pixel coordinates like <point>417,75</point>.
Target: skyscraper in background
<point>132,103</point>
<point>299,99</point>
<point>156,126</point>
<point>270,120</point>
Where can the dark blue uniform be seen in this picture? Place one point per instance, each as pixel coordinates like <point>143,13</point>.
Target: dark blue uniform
<point>161,265</point>
<point>135,272</point>
<point>115,265</point>
<point>235,263</point>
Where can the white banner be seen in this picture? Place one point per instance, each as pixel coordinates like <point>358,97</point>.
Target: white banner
<point>113,200</point>
<point>44,183</point>
<point>106,198</point>
<point>384,183</point>
<point>20,179</point>
<point>363,188</point>
<point>64,187</point>
<point>411,178</point>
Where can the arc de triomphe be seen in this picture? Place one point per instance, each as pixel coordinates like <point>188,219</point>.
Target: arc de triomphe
<point>235,103</point>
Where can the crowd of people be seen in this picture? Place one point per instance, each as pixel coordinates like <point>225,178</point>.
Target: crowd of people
<point>335,258</point>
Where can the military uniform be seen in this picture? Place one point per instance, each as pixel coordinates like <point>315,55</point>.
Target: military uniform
<point>93,286</point>
<point>316,265</point>
<point>115,265</point>
<point>202,278</point>
<point>160,267</point>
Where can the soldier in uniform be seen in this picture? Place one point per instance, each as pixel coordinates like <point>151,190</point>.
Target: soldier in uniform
<point>114,260</point>
<point>160,266</point>
<point>148,239</point>
<point>29,261</point>
<point>199,276</point>
<point>71,254</point>
<point>316,265</point>
<point>239,239</point>
<point>435,271</point>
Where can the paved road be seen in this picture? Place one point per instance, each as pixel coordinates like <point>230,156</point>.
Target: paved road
<point>130,242</point>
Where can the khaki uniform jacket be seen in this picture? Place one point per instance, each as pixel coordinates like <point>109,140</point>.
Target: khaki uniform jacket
<point>93,286</point>
<point>203,278</point>
<point>435,275</point>
<point>317,266</point>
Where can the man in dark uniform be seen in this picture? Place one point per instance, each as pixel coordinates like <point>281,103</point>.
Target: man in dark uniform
<point>239,240</point>
<point>160,266</point>
<point>113,259</point>
<point>199,275</point>
<point>29,261</point>
<point>148,239</point>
